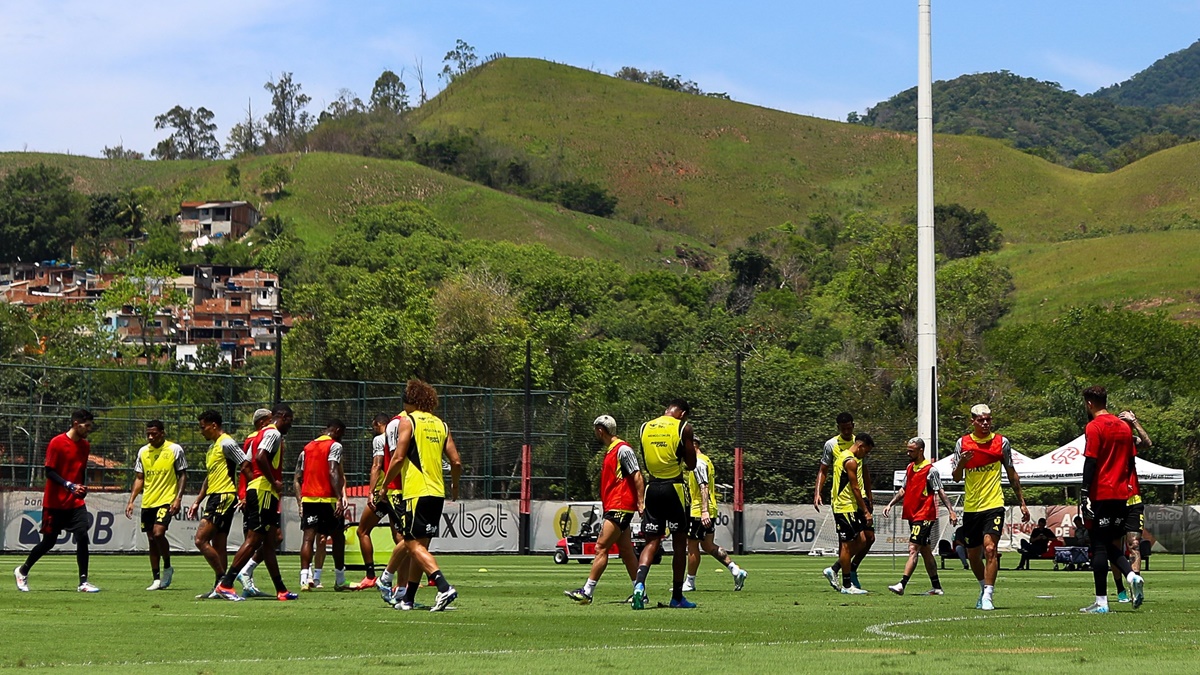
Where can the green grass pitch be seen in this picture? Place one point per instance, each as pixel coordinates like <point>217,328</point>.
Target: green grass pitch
<point>514,618</point>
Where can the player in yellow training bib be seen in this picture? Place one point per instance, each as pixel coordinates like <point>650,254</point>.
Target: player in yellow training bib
<point>161,472</point>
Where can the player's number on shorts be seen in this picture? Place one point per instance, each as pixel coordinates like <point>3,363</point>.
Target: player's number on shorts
<point>916,531</point>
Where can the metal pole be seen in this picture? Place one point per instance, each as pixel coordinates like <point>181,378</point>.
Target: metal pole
<point>527,451</point>
<point>739,540</point>
<point>277,317</point>
<point>926,294</point>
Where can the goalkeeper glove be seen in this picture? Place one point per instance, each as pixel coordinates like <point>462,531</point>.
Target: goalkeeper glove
<point>1085,508</point>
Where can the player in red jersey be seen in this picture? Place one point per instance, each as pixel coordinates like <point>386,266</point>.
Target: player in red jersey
<point>622,493</point>
<point>389,502</point>
<point>320,483</point>
<point>921,484</point>
<point>63,508</point>
<point>1108,470</point>
<point>245,576</point>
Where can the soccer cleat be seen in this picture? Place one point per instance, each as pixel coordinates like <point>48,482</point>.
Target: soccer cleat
<point>682,603</point>
<point>688,586</point>
<point>228,593</point>
<point>284,596</point>
<point>367,582</point>
<point>986,604</point>
<point>1094,608</point>
<point>306,586</point>
<point>1137,587</point>
<point>404,606</point>
<point>22,580</point>
<point>156,586</point>
<point>579,595</point>
<point>853,590</point>
<point>739,580</point>
<point>831,577</point>
<point>338,588</point>
<point>390,595</point>
<point>639,596</point>
<point>245,581</point>
<point>979,602</point>
<point>87,587</point>
<point>1123,596</point>
<point>854,579</point>
<point>898,589</point>
<point>316,585</point>
<point>167,575</point>
<point>444,599</point>
<point>934,591</point>
<point>253,591</point>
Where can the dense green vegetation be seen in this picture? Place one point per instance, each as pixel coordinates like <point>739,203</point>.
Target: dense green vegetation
<point>1172,80</point>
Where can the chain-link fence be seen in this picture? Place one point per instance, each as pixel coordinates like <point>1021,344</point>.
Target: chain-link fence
<point>488,424</point>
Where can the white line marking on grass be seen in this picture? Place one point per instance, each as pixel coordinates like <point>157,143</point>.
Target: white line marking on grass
<point>198,616</point>
<point>434,623</point>
<point>684,630</point>
<point>881,629</point>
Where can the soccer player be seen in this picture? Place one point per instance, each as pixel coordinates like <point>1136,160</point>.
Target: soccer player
<point>1108,467</point>
<point>63,507</point>
<point>223,462</point>
<point>622,493</point>
<point>850,513</point>
<point>700,525</point>
<point>922,483</point>
<point>979,456</point>
<point>161,470</point>
<point>262,505</point>
<point>245,576</point>
<point>1135,520</point>
<point>320,484</point>
<point>833,449</point>
<point>423,439</point>
<point>389,502</point>
<point>669,448</point>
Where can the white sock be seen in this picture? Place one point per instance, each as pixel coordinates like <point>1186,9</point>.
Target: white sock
<point>386,579</point>
<point>1130,576</point>
<point>248,570</point>
<point>981,586</point>
<point>733,568</point>
<point>340,576</point>
<point>317,575</point>
<point>987,592</point>
<point>589,586</point>
<point>304,576</point>
<point>1102,600</point>
<point>691,579</point>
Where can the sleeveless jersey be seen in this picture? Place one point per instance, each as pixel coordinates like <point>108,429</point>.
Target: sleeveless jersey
<point>271,441</point>
<point>160,469</point>
<point>317,484</point>
<point>616,472</point>
<point>223,460</point>
<point>919,503</point>
<point>422,467</point>
<point>389,446</point>
<point>247,446</point>
<point>982,491</point>
<point>703,474</point>
<point>662,445</point>
<point>843,494</point>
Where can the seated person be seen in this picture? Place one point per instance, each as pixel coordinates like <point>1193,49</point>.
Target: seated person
<point>1035,547</point>
<point>1082,536</point>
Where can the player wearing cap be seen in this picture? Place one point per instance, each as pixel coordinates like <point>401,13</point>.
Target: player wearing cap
<point>320,483</point>
<point>376,509</point>
<point>702,527</point>
<point>161,470</point>
<point>223,462</point>
<point>921,484</point>
<point>262,505</point>
<point>422,441</point>
<point>260,419</point>
<point>850,513</point>
<point>622,490</point>
<point>1108,467</point>
<point>978,456</point>
<point>63,507</point>
<point>669,449</point>
<point>834,449</point>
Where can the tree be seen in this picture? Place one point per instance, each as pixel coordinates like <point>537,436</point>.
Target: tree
<point>458,61</point>
<point>121,152</point>
<point>193,136</point>
<point>346,104</point>
<point>247,137</point>
<point>960,232</point>
<point>145,292</point>
<point>40,213</point>
<point>233,175</point>
<point>389,94</point>
<point>274,178</point>
<point>288,120</point>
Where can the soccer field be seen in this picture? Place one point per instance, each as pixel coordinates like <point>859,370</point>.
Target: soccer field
<point>513,618</point>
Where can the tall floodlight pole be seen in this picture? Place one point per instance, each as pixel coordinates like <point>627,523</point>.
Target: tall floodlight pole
<point>926,298</point>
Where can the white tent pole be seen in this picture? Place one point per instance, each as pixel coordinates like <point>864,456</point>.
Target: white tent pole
<point>926,300</point>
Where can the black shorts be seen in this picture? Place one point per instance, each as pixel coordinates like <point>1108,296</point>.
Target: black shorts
<point>921,531</point>
<point>1109,523</point>
<point>849,525</point>
<point>977,524</point>
<point>56,521</point>
<point>1135,518</point>
<point>665,510</point>
<point>321,516</point>
<point>156,515</point>
<point>261,512</point>
<point>697,530</point>
<point>421,517</point>
<point>621,519</point>
<point>219,510</point>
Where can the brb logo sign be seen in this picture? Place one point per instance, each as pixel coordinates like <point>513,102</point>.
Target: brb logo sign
<point>100,524</point>
<point>783,530</point>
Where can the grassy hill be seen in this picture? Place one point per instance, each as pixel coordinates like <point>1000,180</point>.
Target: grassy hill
<point>721,170</point>
<point>326,189</point>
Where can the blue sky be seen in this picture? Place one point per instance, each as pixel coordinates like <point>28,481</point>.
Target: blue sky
<point>80,75</point>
